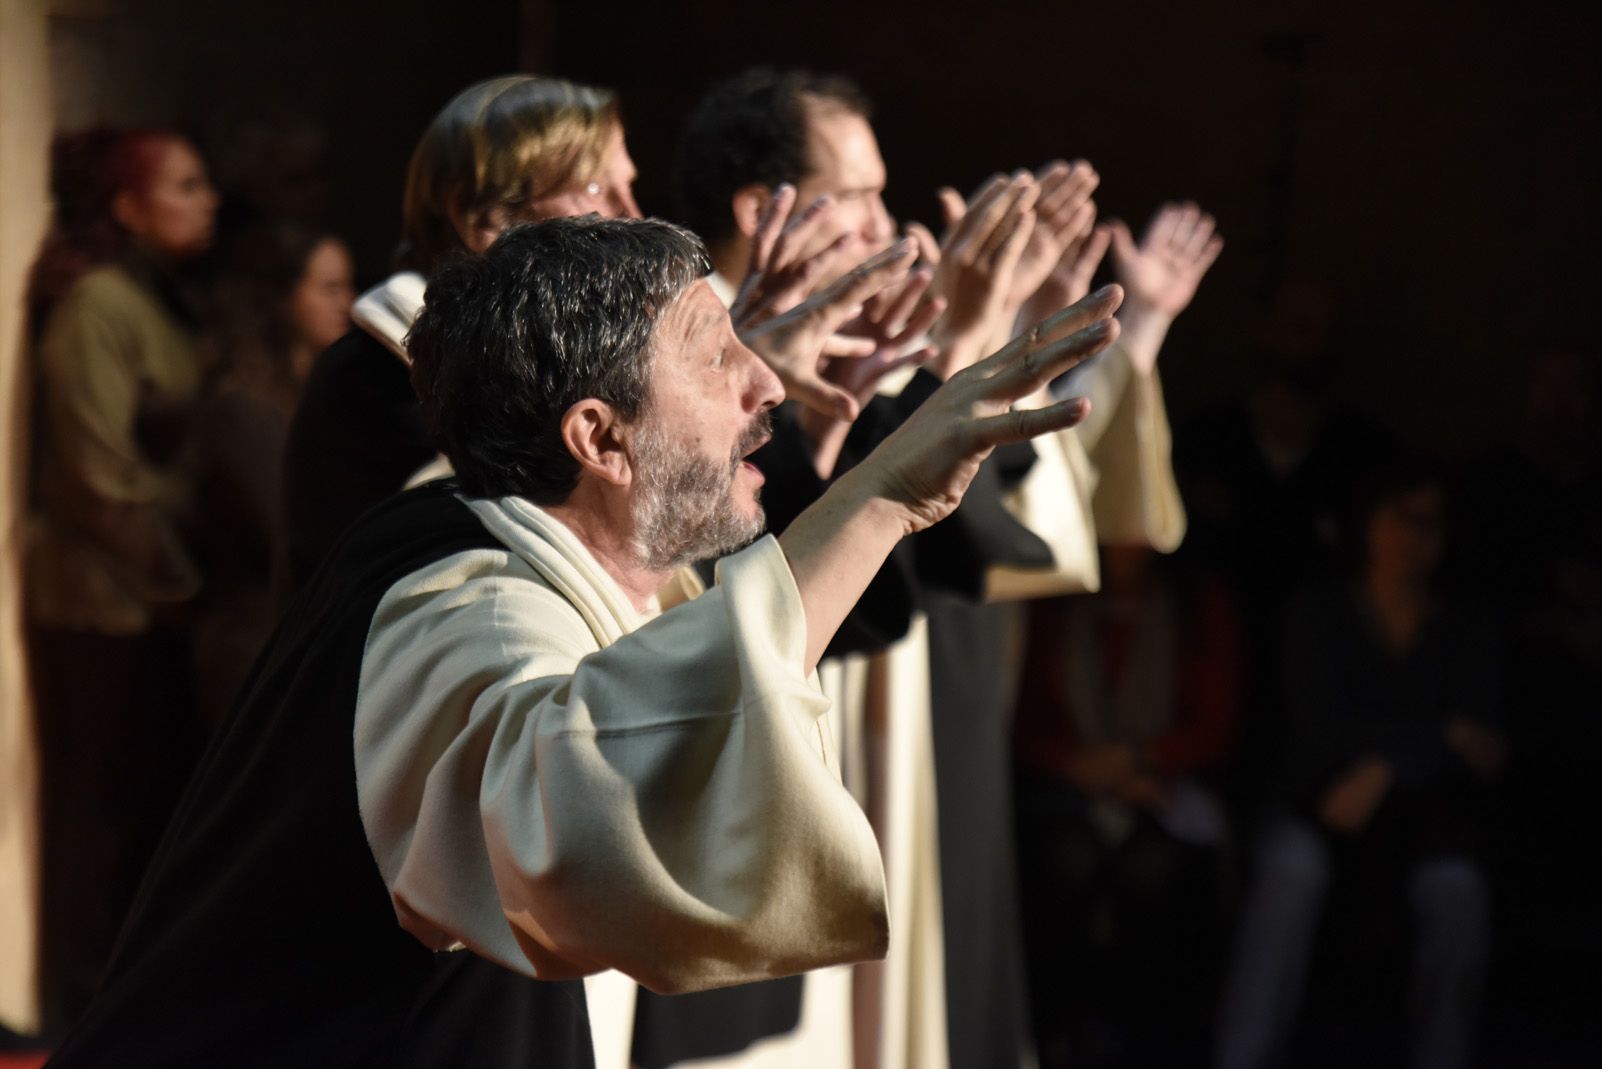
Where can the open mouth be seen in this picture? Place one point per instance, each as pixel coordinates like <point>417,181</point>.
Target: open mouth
<point>744,460</point>
<point>757,435</point>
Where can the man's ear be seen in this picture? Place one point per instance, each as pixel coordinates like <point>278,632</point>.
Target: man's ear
<point>591,432</point>
<point>748,204</point>
<point>479,227</point>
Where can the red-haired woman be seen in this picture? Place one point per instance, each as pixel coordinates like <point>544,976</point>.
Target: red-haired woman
<point>117,375</point>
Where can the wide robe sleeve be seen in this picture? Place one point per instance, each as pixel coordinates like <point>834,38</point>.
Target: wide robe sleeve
<point>1110,479</point>
<point>665,806</point>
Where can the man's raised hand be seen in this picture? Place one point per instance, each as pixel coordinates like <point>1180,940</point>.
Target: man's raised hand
<point>1161,274</point>
<point>1065,218</point>
<point>795,343</point>
<point>985,239</point>
<point>1164,270</point>
<point>780,276</point>
<point>926,465</point>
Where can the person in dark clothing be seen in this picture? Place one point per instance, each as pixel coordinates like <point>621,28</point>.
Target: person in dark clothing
<point>1268,479</point>
<point>751,139</point>
<point>1532,545</point>
<point>284,298</point>
<point>1395,692</point>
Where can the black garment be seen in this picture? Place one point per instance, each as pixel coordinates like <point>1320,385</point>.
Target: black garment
<point>1350,697</point>
<point>973,651</point>
<point>669,1029</point>
<point>357,436</point>
<point>1270,532</point>
<point>263,933</point>
<point>117,742</point>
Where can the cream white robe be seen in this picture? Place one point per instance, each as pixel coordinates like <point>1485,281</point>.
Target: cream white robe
<point>1108,479</point>
<point>565,786</point>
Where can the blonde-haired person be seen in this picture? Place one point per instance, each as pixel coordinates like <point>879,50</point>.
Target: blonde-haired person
<point>513,149</point>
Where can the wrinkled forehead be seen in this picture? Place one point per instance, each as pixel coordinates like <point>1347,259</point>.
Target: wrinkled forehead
<point>695,321</point>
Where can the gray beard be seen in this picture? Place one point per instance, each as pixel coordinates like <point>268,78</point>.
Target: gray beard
<point>685,510</point>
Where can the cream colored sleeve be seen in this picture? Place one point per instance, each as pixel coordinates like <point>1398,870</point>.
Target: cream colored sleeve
<point>1109,479</point>
<point>664,806</point>
<point>1136,499</point>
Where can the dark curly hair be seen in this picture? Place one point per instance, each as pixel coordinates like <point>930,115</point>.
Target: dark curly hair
<point>552,313</point>
<point>751,128</point>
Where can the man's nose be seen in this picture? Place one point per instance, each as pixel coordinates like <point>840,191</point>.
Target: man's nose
<point>763,388</point>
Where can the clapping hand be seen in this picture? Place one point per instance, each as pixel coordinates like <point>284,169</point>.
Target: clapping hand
<point>1065,221</point>
<point>925,466</point>
<point>1161,274</point>
<point>796,343</point>
<point>779,276</point>
<point>1165,268</point>
<point>977,262</point>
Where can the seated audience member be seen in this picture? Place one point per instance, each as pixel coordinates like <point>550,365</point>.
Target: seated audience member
<point>107,575</point>
<point>1268,478</point>
<point>1531,521</point>
<point>285,297</point>
<point>1395,691</point>
<point>1127,703</point>
<point>518,148</point>
<point>549,772</point>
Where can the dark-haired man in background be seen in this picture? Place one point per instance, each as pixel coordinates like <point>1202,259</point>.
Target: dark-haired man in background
<point>765,128</point>
<point>1110,480</point>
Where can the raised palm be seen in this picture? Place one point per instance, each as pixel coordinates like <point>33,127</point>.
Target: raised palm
<point>1163,271</point>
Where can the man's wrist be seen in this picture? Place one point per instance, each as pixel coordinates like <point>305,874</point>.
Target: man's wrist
<point>1142,330</point>
<point>869,500</point>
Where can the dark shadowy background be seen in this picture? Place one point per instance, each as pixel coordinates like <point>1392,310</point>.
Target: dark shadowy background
<point>1437,164</point>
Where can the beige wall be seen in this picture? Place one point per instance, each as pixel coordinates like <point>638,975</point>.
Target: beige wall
<point>25,122</point>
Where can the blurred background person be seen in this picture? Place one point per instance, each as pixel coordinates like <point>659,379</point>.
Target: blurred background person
<point>765,127</point>
<point>1127,707</point>
<point>513,149</point>
<point>284,297</point>
<point>1531,524</point>
<point>271,169</point>
<point>1268,478</point>
<point>107,574</point>
<point>1395,692</point>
